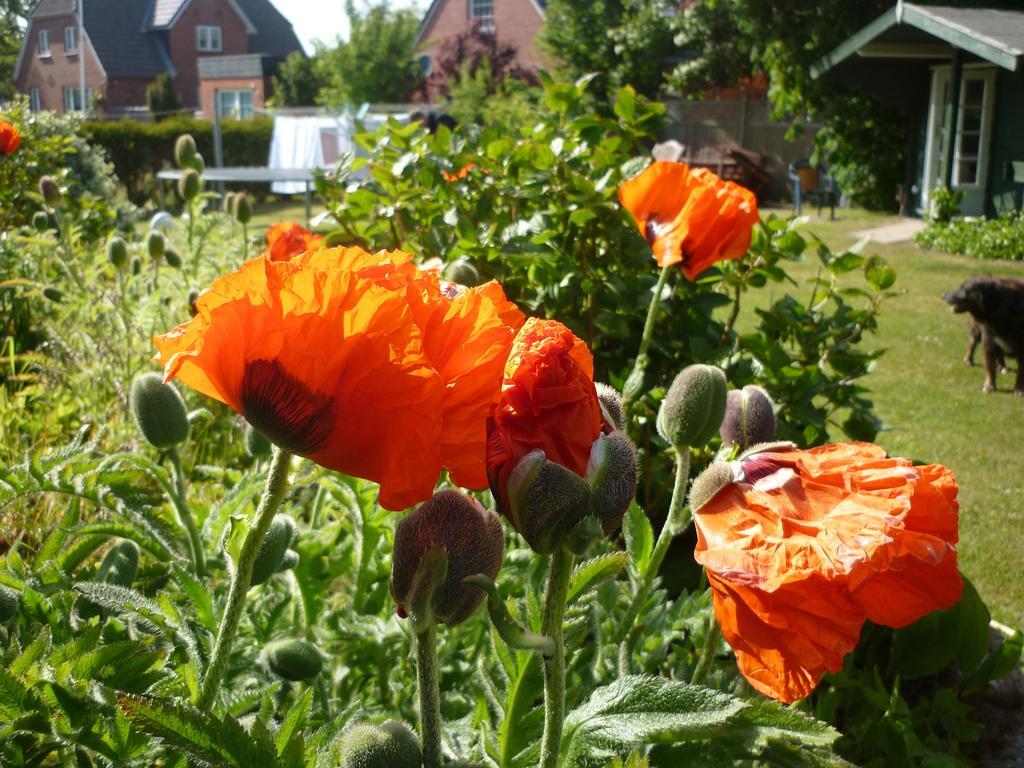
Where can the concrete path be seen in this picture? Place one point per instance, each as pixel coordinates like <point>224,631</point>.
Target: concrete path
<point>901,232</point>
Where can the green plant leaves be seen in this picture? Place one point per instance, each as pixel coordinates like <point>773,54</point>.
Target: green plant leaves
<point>639,537</point>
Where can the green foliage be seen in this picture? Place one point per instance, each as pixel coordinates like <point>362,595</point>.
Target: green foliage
<point>12,24</point>
<point>944,204</point>
<point>138,150</point>
<point>162,98</point>
<point>378,62</point>
<point>298,81</point>
<point>998,238</point>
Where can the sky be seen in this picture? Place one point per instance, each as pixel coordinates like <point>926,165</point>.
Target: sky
<point>325,19</point>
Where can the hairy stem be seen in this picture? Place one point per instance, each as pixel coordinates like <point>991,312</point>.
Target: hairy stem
<point>185,513</point>
<point>430,698</point>
<point>677,520</point>
<point>273,494</point>
<point>554,667</point>
<point>707,652</point>
<point>634,381</point>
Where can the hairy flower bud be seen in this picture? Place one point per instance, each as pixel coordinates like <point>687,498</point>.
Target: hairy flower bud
<point>694,406</point>
<point>472,541</point>
<point>272,549</point>
<point>749,417</point>
<point>190,185</point>
<point>53,294</point>
<point>193,296</point>
<point>50,191</point>
<point>173,257</point>
<point>243,208</point>
<point>293,659</point>
<point>41,221</point>
<point>136,265</point>
<point>156,245</point>
<point>8,604</point>
<point>546,502</point>
<point>463,272</point>
<point>391,744</point>
<point>611,406</point>
<point>117,252</point>
<point>612,474</point>
<point>159,410</point>
<point>709,482</point>
<point>184,150</point>
<point>289,561</point>
<point>229,203</point>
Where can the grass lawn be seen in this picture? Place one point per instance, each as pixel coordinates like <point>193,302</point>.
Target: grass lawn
<point>933,406</point>
<point>931,403</point>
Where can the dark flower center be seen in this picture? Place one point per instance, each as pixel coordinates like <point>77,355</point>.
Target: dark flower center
<point>284,409</point>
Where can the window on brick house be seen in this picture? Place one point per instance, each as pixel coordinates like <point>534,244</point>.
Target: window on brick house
<point>70,40</point>
<point>35,103</point>
<point>208,39</point>
<point>236,105</point>
<point>73,98</point>
<point>44,42</point>
<point>483,12</point>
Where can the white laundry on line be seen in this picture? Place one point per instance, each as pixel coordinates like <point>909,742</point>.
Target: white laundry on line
<point>298,142</point>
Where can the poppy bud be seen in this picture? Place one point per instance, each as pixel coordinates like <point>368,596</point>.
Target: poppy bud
<point>709,482</point>
<point>117,252</point>
<point>293,659</point>
<point>172,257</point>
<point>190,185</point>
<point>289,561</point>
<point>184,150</point>
<point>8,604</point>
<point>41,221</point>
<point>272,549</point>
<point>463,272</point>
<point>230,200</point>
<point>193,296</point>
<point>243,208</point>
<point>136,265</point>
<point>391,744</point>
<point>611,406</point>
<point>472,541</point>
<point>612,474</point>
<point>156,245</point>
<point>694,406</point>
<point>256,444</point>
<point>196,163</point>
<point>159,411</point>
<point>50,191</point>
<point>53,294</point>
<point>546,502</point>
<point>749,417</point>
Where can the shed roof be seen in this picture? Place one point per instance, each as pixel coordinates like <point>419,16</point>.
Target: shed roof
<point>991,34</point>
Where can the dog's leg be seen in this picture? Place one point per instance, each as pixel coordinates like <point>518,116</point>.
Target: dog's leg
<point>988,348</point>
<point>1018,389</point>
<point>972,345</point>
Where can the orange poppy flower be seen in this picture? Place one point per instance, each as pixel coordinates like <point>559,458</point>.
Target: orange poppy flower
<point>548,402</point>
<point>690,216</point>
<point>10,139</point>
<point>462,173</point>
<point>354,360</point>
<point>287,239</point>
<point>803,546</point>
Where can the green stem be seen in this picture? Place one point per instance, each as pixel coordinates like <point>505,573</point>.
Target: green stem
<point>677,520</point>
<point>552,625</point>
<point>273,494</point>
<point>634,382</point>
<point>185,512</point>
<point>707,652</point>
<point>191,233</point>
<point>430,699</point>
<point>245,243</point>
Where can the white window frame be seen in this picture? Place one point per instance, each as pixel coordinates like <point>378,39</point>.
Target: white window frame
<point>209,39</point>
<point>486,21</point>
<point>43,43</point>
<point>35,102</point>
<point>70,35</point>
<point>72,94</point>
<point>988,79</point>
<point>236,110</point>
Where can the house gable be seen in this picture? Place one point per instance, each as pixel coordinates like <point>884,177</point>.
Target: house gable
<point>516,23</point>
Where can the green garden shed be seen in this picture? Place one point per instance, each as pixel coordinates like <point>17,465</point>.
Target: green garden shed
<point>957,76</point>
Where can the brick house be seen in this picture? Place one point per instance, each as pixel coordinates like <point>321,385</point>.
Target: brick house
<point>234,44</point>
<point>514,22</point>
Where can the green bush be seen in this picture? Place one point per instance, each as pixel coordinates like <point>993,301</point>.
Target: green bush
<point>138,150</point>
<point>999,238</point>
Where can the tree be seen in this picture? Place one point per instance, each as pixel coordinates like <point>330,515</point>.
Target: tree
<point>378,61</point>
<point>475,55</point>
<point>12,31</point>
<point>626,42</point>
<point>298,81</point>
<point>161,98</point>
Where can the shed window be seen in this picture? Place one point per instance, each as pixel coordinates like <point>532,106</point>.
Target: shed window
<point>483,12</point>
<point>70,40</point>
<point>44,42</point>
<point>208,39</point>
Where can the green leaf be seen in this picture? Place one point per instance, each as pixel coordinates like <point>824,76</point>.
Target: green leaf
<point>639,537</point>
<point>589,575</point>
<point>625,103</point>
<point>879,273</point>
<point>294,721</point>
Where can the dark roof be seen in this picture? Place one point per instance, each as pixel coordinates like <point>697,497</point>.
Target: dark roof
<point>274,33</point>
<point>114,28</point>
<point>990,34</point>
<point>46,8</point>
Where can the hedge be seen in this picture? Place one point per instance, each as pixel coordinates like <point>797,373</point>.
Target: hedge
<point>138,150</point>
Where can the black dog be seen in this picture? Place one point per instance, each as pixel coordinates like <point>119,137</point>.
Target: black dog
<point>997,305</point>
<point>974,329</point>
